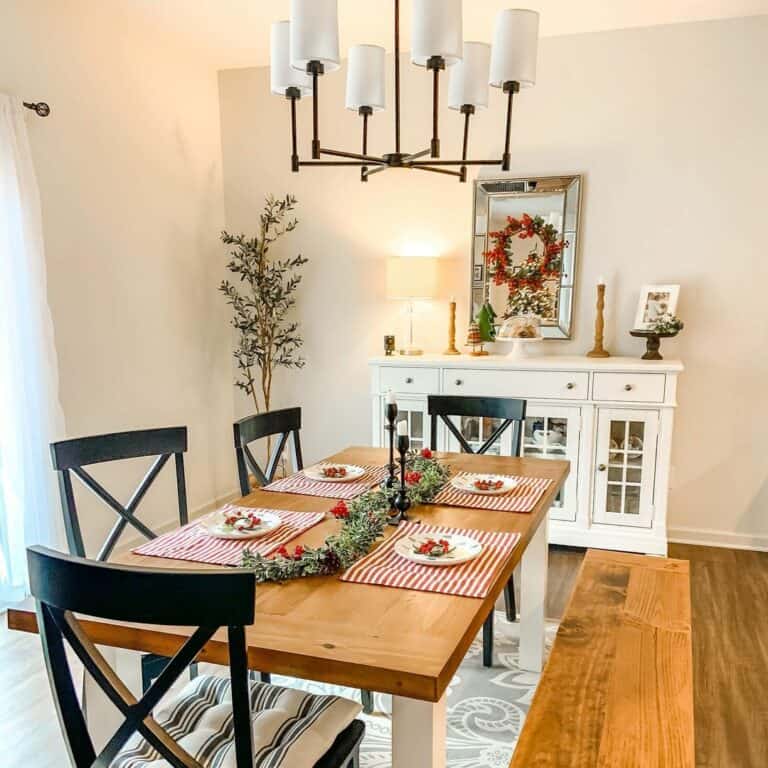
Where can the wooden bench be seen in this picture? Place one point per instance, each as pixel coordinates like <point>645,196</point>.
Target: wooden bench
<point>617,691</point>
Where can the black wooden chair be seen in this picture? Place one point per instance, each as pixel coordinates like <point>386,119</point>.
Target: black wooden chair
<point>511,413</point>
<point>64,586</point>
<point>71,456</point>
<point>284,423</point>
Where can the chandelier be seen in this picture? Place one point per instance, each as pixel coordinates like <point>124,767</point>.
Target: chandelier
<point>307,47</point>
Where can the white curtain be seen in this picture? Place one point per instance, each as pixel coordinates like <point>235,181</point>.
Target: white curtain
<point>30,414</point>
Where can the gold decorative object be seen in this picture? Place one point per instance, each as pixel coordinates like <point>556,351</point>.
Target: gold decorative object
<point>452,330</point>
<point>475,340</point>
<point>598,350</point>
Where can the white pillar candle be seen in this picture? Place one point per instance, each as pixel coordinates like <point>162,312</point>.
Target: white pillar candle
<point>468,82</point>
<point>366,82</point>
<point>437,31</point>
<point>281,75</point>
<point>315,33</point>
<point>402,428</point>
<point>515,42</point>
<point>391,398</point>
<point>601,280</point>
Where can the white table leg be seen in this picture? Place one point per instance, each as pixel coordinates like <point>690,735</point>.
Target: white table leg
<point>533,599</point>
<point>102,717</point>
<point>418,733</point>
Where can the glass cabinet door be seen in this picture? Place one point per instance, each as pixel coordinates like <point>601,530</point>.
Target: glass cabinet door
<point>414,412</point>
<point>553,432</point>
<point>625,466</point>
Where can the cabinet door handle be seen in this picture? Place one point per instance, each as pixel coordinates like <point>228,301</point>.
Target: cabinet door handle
<point>458,382</point>
<point>570,385</point>
<point>408,380</point>
<point>628,387</point>
<point>602,467</point>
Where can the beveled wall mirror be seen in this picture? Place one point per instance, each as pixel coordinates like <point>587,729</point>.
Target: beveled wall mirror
<point>524,249</point>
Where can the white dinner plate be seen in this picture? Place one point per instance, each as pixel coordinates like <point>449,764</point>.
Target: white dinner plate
<point>463,549</point>
<point>353,473</point>
<point>214,526</point>
<point>466,483</point>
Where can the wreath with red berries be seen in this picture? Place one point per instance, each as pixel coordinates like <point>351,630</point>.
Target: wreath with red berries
<point>538,266</point>
<point>362,523</point>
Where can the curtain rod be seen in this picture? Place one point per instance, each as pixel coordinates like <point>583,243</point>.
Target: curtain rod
<point>42,109</point>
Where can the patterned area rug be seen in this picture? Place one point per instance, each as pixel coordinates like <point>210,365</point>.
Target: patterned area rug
<point>486,707</point>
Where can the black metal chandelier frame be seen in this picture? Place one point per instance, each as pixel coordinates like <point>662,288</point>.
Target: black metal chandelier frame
<point>398,158</point>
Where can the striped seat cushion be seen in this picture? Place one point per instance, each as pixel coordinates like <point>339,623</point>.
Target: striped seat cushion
<point>291,729</point>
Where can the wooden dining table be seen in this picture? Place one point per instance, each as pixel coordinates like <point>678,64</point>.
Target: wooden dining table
<point>403,642</point>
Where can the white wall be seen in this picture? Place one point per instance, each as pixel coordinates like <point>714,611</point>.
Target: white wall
<point>129,166</point>
<point>667,123</point>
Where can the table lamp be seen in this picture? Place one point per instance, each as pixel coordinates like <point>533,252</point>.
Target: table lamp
<point>411,279</point>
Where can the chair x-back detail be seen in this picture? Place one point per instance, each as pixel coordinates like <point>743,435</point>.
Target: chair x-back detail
<point>64,585</point>
<point>283,424</point>
<point>71,456</point>
<point>511,412</point>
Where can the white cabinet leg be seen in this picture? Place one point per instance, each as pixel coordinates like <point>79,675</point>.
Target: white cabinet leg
<point>102,717</point>
<point>418,733</point>
<point>533,599</point>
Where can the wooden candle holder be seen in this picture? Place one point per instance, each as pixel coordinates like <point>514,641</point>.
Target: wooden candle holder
<point>598,350</point>
<point>452,331</point>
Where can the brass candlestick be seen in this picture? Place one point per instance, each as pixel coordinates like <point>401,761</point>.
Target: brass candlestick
<point>452,330</point>
<point>598,350</point>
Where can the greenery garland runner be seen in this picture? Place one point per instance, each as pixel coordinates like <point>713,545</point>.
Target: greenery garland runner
<point>363,522</point>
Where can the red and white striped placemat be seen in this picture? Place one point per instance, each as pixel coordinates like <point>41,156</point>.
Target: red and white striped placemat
<point>522,498</point>
<point>301,484</point>
<point>384,567</point>
<point>192,542</point>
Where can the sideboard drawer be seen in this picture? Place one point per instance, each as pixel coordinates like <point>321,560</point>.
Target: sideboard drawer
<point>404,379</point>
<point>629,387</point>
<point>557,385</point>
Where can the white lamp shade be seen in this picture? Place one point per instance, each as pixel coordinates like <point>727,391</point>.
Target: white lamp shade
<point>468,82</point>
<point>314,33</point>
<point>437,31</point>
<point>411,278</point>
<point>366,80</point>
<point>282,76</point>
<point>515,41</point>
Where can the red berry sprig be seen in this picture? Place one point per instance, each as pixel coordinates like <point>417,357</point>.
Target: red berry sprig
<point>340,511</point>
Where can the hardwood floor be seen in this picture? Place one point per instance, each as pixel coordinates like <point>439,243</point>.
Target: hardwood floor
<point>729,595</point>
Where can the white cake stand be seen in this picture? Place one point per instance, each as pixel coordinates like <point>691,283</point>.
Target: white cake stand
<point>521,347</point>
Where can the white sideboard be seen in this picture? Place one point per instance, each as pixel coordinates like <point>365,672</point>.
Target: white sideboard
<point>611,418</point>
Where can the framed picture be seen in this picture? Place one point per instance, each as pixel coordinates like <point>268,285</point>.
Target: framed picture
<point>655,301</point>
<point>477,273</point>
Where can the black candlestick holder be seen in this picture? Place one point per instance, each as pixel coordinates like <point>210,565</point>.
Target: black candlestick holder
<point>401,502</point>
<point>391,427</point>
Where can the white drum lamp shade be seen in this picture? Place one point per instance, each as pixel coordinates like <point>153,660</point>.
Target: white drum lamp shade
<point>437,31</point>
<point>314,33</point>
<point>468,83</point>
<point>282,76</point>
<point>515,42</point>
<point>366,82</point>
<point>411,278</point>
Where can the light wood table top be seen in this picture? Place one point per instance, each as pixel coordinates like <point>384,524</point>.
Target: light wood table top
<point>397,641</point>
<point>617,691</point>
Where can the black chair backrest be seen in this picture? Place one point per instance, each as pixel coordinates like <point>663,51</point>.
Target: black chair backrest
<point>70,456</point>
<point>64,585</point>
<point>510,410</point>
<point>285,423</point>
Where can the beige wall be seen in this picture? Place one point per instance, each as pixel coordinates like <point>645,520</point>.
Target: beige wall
<point>667,123</point>
<point>129,166</point>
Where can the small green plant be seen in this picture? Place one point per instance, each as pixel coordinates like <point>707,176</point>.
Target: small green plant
<point>262,299</point>
<point>667,324</point>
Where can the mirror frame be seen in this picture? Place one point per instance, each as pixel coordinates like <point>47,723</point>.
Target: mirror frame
<point>512,187</point>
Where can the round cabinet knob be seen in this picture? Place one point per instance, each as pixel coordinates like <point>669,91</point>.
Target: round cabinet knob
<point>570,385</point>
<point>458,382</point>
<point>628,387</point>
<point>409,380</point>
<point>602,467</point>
